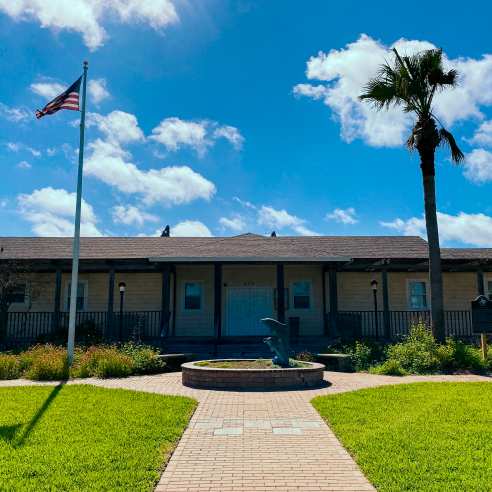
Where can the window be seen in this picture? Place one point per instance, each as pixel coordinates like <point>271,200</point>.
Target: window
<point>193,296</point>
<point>417,294</point>
<point>301,295</point>
<point>17,294</point>
<point>81,296</point>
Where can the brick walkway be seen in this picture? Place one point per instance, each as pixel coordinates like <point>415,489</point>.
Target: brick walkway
<point>259,441</point>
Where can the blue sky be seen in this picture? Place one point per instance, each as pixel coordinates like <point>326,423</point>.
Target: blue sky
<point>222,117</point>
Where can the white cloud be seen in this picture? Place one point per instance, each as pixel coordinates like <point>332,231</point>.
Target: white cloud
<point>86,16</point>
<point>190,228</point>
<point>235,223</point>
<point>24,165</point>
<point>97,90</point>
<point>483,134</point>
<point>171,185</point>
<point>281,219</point>
<point>48,90</point>
<point>175,133</point>
<point>13,146</point>
<point>18,146</point>
<point>244,203</point>
<point>346,71</point>
<point>471,229</point>
<point>117,126</point>
<point>231,134</point>
<point>16,115</point>
<point>478,166</point>
<point>51,213</point>
<point>344,216</point>
<point>130,214</point>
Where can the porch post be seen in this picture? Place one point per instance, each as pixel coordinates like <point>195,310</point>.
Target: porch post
<point>165,300</point>
<point>56,308</point>
<point>332,279</point>
<point>323,290</point>
<point>109,321</point>
<point>218,299</point>
<point>386,311</point>
<point>280,293</point>
<point>175,282</point>
<point>480,283</point>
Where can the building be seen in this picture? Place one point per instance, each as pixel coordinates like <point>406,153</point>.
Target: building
<point>218,288</point>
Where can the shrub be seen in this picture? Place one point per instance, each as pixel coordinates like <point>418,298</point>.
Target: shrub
<point>9,366</point>
<point>145,359</point>
<point>45,363</point>
<point>102,362</point>
<point>391,367</point>
<point>365,354</point>
<point>305,356</point>
<point>418,353</point>
<point>460,356</point>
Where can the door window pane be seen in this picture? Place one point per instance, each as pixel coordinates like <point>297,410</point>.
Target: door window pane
<point>193,296</point>
<point>301,295</point>
<point>417,295</point>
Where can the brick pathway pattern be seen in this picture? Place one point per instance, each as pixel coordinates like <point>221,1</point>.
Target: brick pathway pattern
<point>259,441</point>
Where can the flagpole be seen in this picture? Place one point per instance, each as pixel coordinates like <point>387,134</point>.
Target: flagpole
<point>76,234</point>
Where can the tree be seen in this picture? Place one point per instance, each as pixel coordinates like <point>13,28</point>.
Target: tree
<point>412,82</point>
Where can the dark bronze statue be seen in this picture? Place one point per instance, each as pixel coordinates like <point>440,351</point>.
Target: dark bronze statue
<point>278,342</point>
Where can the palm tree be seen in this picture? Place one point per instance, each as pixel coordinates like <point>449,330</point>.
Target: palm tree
<point>412,82</point>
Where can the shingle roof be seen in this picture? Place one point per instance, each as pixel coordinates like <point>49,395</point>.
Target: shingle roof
<point>244,247</point>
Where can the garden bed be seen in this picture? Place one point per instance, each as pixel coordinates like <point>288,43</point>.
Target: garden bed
<point>246,364</point>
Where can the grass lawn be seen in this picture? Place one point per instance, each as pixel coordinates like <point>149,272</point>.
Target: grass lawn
<point>425,436</point>
<point>87,438</point>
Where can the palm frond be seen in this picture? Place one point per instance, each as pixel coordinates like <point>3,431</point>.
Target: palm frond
<point>380,93</point>
<point>446,138</point>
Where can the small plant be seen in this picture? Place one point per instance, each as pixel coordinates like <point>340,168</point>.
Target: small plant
<point>102,362</point>
<point>458,356</point>
<point>145,359</point>
<point>391,367</point>
<point>44,363</point>
<point>305,356</point>
<point>9,366</point>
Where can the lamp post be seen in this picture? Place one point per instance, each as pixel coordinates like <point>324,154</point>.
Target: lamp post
<point>122,287</point>
<point>374,287</point>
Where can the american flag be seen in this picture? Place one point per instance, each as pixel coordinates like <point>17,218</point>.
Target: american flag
<point>66,100</point>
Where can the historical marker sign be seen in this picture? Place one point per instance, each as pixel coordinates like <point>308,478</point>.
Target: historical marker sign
<point>482,315</point>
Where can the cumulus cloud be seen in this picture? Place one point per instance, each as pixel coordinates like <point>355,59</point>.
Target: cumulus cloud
<point>117,126</point>
<point>16,115</point>
<point>171,185</point>
<point>51,212</point>
<point>87,16</point>
<point>24,165</point>
<point>470,229</point>
<point>345,72</point>
<point>235,223</point>
<point>190,228</point>
<point>175,133</point>
<point>130,214</point>
<point>483,134</point>
<point>48,90</point>
<point>343,216</point>
<point>281,219</point>
<point>478,166</point>
<point>97,90</point>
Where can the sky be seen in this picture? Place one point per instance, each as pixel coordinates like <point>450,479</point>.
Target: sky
<point>220,117</point>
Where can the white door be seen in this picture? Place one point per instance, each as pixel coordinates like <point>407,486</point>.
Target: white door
<point>246,306</point>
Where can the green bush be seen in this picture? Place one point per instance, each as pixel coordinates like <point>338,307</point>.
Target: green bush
<point>461,357</point>
<point>305,356</point>
<point>365,354</point>
<point>9,366</point>
<point>102,362</point>
<point>390,367</point>
<point>44,363</point>
<point>145,359</point>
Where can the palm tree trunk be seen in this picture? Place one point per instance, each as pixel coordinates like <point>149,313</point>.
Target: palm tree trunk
<point>435,272</point>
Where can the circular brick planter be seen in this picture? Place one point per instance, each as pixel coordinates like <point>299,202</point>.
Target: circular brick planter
<point>281,378</point>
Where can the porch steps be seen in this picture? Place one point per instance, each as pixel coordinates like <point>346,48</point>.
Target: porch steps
<point>241,348</point>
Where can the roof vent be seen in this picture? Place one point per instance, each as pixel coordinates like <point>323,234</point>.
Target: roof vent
<point>166,232</point>
<point>273,234</point>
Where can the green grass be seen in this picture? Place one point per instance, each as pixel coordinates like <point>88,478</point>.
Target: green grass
<point>416,437</point>
<point>87,438</point>
<point>246,364</point>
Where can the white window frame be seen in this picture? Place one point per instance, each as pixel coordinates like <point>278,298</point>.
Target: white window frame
<point>27,296</point>
<point>310,283</point>
<point>423,281</point>
<point>202,298</point>
<point>67,294</point>
<point>486,280</point>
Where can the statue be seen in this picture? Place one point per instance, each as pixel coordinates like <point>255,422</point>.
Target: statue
<point>278,342</point>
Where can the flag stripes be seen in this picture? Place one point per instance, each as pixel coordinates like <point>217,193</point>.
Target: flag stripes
<point>66,100</point>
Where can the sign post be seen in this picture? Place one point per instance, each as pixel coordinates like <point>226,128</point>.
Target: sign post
<point>482,320</point>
